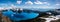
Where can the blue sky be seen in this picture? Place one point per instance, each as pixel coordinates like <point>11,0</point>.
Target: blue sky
<point>45,4</point>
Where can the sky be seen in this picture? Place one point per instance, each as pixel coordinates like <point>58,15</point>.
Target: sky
<point>31,4</point>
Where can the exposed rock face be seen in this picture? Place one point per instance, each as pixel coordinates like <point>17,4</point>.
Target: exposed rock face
<point>0,17</point>
<point>55,20</point>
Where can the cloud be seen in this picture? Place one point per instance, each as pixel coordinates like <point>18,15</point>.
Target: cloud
<point>19,2</point>
<point>45,7</point>
<point>46,3</point>
<point>12,5</point>
<point>57,4</point>
<point>38,2</point>
<point>28,2</point>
